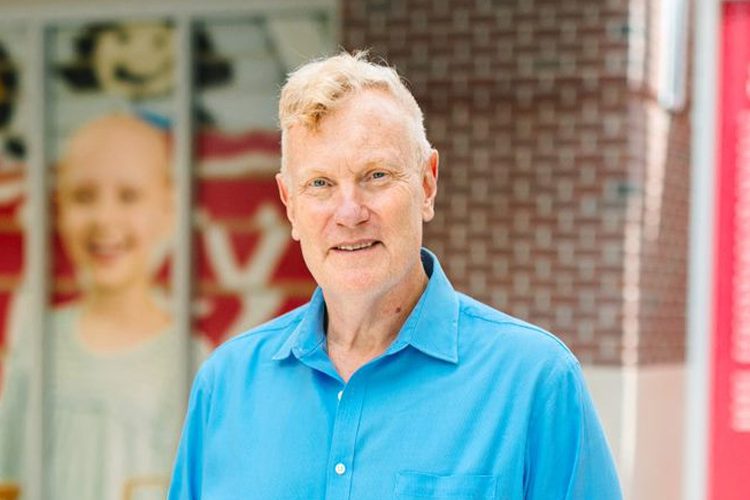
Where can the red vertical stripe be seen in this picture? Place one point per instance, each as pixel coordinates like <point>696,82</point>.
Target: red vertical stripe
<point>729,445</point>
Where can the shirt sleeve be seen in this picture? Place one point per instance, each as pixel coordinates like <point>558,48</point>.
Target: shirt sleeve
<point>187,475</point>
<point>567,455</point>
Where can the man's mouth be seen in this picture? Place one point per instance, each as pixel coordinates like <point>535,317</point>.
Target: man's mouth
<point>356,246</point>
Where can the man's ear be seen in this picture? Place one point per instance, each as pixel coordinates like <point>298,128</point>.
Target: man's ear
<point>288,203</point>
<point>429,185</point>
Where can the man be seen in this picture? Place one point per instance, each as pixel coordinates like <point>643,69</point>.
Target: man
<point>388,383</point>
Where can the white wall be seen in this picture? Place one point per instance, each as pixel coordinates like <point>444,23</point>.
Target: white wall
<point>642,413</point>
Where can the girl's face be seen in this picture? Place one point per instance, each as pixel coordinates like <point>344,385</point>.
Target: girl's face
<point>114,209</point>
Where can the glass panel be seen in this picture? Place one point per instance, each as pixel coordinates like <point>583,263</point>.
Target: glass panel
<point>248,267</point>
<point>14,340</point>
<point>113,398</point>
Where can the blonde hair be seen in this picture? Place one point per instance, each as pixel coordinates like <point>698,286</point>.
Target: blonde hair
<point>315,89</point>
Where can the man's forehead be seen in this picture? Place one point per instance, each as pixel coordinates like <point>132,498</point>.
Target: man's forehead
<point>362,122</point>
<point>368,105</point>
<point>368,127</point>
<point>352,160</point>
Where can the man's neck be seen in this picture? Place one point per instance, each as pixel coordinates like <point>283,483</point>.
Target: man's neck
<point>361,328</point>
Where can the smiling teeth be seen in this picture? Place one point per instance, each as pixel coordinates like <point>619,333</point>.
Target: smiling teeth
<point>106,248</point>
<point>356,247</point>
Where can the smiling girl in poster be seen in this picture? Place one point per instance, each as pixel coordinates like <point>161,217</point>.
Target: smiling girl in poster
<point>114,406</point>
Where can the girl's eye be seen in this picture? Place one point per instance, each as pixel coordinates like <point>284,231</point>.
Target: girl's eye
<point>129,195</point>
<point>83,196</point>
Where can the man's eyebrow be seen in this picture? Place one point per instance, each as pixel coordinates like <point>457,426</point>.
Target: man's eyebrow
<point>313,172</point>
<point>376,160</point>
<point>308,172</point>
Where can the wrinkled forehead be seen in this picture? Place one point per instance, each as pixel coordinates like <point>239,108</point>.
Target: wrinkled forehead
<point>368,126</point>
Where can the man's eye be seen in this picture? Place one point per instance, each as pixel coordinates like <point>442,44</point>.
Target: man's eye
<point>378,175</point>
<point>318,183</point>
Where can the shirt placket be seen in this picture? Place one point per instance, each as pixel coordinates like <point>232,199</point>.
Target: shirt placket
<point>341,466</point>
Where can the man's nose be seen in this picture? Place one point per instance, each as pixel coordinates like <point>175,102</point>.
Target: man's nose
<point>351,209</point>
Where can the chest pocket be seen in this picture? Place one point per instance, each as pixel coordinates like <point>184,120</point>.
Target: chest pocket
<point>421,486</point>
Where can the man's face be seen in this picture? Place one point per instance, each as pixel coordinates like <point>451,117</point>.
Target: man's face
<point>357,196</point>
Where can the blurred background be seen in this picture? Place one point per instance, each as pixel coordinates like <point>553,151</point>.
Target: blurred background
<point>595,176</point>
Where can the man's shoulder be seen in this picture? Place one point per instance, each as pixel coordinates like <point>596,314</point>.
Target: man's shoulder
<point>261,340</point>
<point>485,325</point>
<point>284,322</point>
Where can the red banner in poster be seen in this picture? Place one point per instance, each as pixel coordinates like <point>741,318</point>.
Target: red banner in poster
<point>730,405</point>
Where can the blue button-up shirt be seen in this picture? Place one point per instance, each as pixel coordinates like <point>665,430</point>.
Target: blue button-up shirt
<point>467,403</point>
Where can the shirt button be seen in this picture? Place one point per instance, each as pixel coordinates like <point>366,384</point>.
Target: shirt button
<point>341,393</point>
<point>340,468</point>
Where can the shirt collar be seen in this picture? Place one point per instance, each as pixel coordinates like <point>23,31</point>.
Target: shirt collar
<point>431,327</point>
<point>308,335</point>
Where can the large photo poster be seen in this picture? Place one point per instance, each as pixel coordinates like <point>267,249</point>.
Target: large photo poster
<point>114,357</point>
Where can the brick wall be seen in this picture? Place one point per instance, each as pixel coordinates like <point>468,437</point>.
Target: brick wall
<point>660,169</point>
<point>529,104</point>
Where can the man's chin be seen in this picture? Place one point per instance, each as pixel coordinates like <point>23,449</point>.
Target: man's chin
<point>356,282</point>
